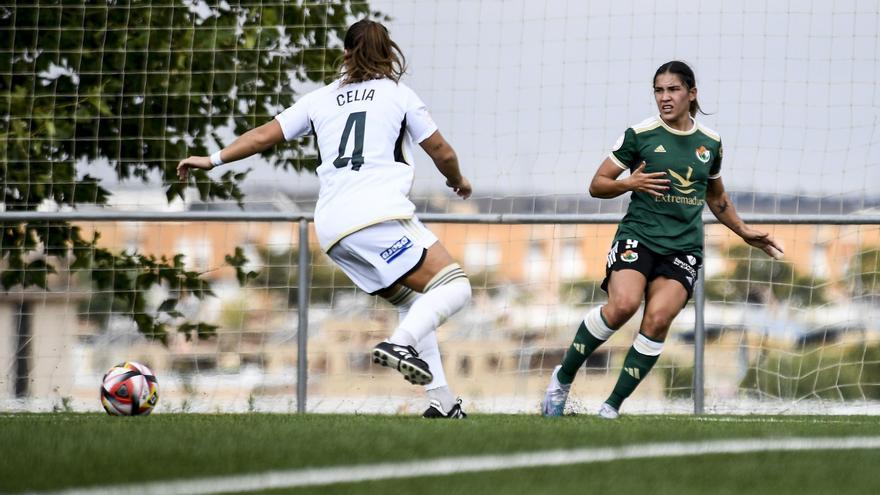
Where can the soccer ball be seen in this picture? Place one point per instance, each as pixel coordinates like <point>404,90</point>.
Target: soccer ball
<point>129,389</point>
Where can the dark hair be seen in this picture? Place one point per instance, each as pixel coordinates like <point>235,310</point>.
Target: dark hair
<point>371,54</point>
<point>686,75</point>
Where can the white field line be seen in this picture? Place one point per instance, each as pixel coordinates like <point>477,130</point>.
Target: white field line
<point>456,465</point>
<point>740,419</point>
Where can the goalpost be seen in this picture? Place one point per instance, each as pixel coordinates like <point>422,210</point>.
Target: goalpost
<point>532,95</point>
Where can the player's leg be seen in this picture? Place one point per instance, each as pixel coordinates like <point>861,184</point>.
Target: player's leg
<point>442,401</point>
<point>445,290</point>
<point>625,291</point>
<point>625,280</point>
<point>416,260</point>
<point>374,258</point>
<point>665,299</point>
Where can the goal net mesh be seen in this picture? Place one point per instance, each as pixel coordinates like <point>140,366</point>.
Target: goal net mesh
<point>531,94</point>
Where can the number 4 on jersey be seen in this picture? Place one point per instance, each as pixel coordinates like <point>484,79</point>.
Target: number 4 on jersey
<point>358,121</point>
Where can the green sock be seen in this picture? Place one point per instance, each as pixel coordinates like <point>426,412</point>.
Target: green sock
<point>635,367</point>
<point>584,344</point>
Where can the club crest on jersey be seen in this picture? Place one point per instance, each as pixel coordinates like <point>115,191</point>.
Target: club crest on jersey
<point>703,154</point>
<point>396,249</point>
<point>629,256</point>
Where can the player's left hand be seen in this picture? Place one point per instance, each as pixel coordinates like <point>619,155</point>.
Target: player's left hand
<point>764,242</point>
<point>462,187</point>
<point>200,162</point>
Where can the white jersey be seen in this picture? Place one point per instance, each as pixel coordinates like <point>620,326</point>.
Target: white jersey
<point>364,134</point>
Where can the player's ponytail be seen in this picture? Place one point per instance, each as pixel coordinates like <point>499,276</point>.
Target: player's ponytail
<point>687,77</point>
<point>371,54</point>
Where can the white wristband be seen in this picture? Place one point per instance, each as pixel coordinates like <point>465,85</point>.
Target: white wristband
<point>215,159</point>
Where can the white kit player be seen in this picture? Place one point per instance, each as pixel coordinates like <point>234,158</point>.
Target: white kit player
<point>363,123</point>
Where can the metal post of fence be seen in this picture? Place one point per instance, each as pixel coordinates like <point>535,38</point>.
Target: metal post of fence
<point>699,341</point>
<point>302,308</point>
<point>23,349</point>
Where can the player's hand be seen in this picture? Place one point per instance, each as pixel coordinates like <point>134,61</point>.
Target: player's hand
<point>462,187</point>
<point>653,183</point>
<point>199,162</point>
<point>763,241</point>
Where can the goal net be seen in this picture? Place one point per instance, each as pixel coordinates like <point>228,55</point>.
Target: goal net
<point>101,101</point>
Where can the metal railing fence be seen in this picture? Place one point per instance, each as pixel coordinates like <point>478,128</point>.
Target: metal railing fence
<point>303,219</point>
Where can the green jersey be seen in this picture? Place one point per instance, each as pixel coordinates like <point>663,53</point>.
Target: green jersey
<point>672,223</point>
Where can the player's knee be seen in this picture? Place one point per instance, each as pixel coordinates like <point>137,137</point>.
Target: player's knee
<point>467,290</point>
<point>620,309</point>
<point>452,274</point>
<point>655,324</point>
<point>464,290</point>
<point>455,286</point>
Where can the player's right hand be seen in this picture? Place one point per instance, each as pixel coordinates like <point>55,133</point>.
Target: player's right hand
<point>653,183</point>
<point>199,162</point>
<point>462,187</point>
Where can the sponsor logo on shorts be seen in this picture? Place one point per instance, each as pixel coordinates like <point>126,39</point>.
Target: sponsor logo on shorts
<point>684,266</point>
<point>396,249</point>
<point>692,260</point>
<point>629,256</point>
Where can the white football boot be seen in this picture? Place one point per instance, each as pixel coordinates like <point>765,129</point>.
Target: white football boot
<point>555,397</point>
<point>608,412</point>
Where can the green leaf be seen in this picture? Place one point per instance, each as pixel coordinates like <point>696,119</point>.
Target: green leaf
<point>205,330</point>
<point>167,305</point>
<point>237,261</point>
<point>36,273</point>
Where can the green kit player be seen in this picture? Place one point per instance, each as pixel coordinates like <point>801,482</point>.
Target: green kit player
<point>675,169</point>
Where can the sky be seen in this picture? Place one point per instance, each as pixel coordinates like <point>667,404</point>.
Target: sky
<point>532,94</point>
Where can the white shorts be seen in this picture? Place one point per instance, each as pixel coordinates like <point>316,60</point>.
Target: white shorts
<point>376,257</point>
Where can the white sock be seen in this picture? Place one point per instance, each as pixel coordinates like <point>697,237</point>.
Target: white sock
<point>444,396</point>
<point>445,295</point>
<point>429,351</point>
<point>403,300</point>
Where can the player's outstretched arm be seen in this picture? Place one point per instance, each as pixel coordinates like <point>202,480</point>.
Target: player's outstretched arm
<point>252,142</point>
<point>446,162</point>
<point>605,184</point>
<point>722,207</point>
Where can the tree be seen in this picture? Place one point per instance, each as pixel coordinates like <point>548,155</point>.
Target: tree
<point>280,276</point>
<point>141,85</point>
<point>755,278</point>
<point>864,269</point>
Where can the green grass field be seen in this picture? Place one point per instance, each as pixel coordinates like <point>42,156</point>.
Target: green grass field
<point>61,451</point>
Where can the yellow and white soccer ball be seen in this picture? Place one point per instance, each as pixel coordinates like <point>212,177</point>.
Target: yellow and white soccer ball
<point>129,389</point>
